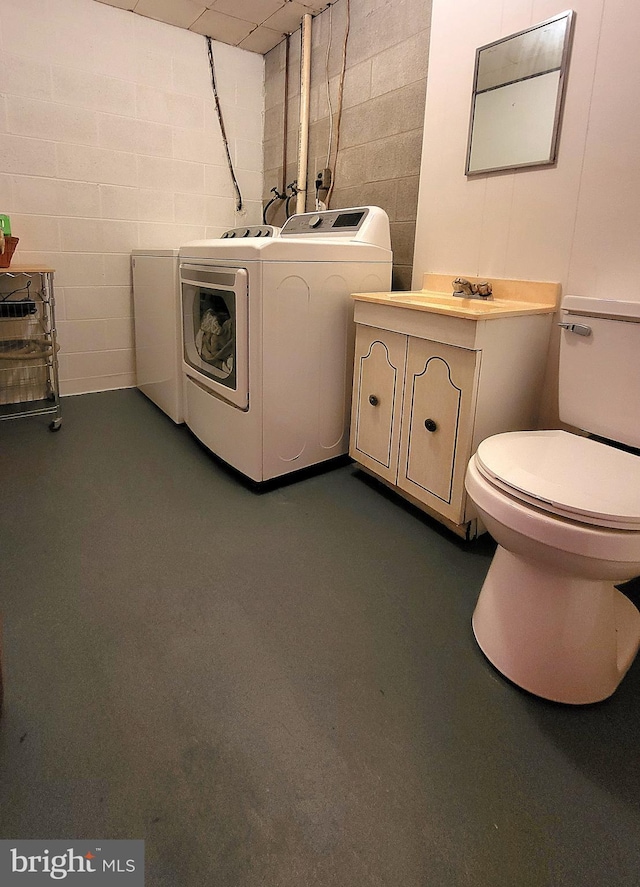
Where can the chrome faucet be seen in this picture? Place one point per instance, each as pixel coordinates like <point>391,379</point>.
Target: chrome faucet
<point>466,290</point>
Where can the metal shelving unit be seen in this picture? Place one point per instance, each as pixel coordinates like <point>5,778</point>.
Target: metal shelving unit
<point>29,381</point>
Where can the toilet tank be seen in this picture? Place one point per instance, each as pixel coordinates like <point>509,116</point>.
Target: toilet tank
<point>599,380</point>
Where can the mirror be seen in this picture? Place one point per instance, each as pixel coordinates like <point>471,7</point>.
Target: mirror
<point>518,91</point>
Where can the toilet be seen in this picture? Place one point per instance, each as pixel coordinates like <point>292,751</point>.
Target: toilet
<point>565,511</point>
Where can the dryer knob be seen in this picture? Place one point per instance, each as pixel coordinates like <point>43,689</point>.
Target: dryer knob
<point>314,221</point>
<point>247,232</point>
<point>230,234</point>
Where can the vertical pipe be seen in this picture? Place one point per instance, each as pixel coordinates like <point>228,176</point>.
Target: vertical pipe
<point>283,182</point>
<point>303,133</point>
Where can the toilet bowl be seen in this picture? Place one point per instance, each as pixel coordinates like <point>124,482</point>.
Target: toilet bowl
<point>565,512</point>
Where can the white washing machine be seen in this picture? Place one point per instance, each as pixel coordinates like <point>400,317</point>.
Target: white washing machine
<point>268,337</point>
<point>158,332</point>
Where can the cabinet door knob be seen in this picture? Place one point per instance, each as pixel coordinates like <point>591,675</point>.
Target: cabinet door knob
<point>430,425</point>
<point>373,400</point>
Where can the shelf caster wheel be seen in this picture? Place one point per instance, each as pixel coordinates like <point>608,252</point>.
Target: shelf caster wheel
<point>56,425</point>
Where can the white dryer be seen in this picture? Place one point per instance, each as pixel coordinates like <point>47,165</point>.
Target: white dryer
<point>268,337</point>
<point>156,307</point>
<point>158,325</point>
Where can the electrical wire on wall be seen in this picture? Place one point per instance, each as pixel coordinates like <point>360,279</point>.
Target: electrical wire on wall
<point>282,194</point>
<point>326,71</point>
<point>321,204</point>
<point>236,187</point>
<point>327,200</point>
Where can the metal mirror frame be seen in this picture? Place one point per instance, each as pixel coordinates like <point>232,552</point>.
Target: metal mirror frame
<point>569,15</point>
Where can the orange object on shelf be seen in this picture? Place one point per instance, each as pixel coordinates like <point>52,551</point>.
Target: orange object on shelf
<point>10,244</point>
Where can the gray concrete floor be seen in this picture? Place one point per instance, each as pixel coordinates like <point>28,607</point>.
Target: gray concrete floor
<point>279,689</point>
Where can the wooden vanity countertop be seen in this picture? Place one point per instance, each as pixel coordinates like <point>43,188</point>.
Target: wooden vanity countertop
<point>511,298</point>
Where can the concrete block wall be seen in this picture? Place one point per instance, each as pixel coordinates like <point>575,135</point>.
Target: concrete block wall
<point>382,121</point>
<point>110,142</point>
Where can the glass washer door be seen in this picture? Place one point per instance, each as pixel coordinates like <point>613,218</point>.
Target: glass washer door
<point>215,329</point>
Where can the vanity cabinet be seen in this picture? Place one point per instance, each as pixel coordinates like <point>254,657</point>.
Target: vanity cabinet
<point>413,415</point>
<point>429,387</point>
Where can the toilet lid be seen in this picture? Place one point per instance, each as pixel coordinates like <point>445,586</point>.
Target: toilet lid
<point>565,474</point>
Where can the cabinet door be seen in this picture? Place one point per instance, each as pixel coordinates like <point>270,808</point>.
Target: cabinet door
<point>437,425</point>
<point>377,399</point>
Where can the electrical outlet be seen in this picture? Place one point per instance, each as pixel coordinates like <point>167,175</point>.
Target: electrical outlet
<point>323,179</point>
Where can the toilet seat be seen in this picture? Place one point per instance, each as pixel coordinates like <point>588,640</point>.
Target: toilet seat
<point>566,475</point>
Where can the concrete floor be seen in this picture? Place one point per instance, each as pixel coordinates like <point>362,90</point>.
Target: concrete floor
<point>279,689</point>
